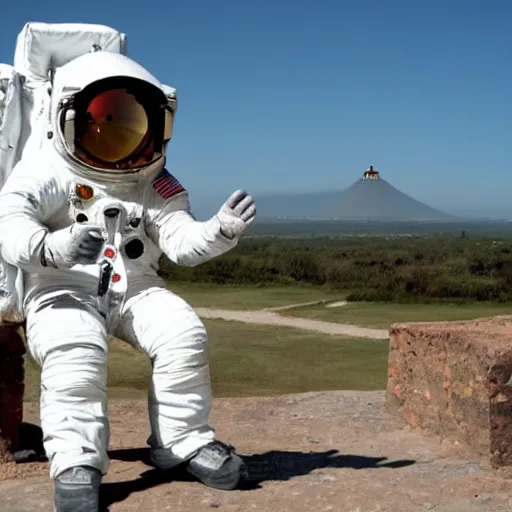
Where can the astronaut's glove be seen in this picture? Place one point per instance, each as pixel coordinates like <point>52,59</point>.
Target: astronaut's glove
<point>236,214</point>
<point>77,244</point>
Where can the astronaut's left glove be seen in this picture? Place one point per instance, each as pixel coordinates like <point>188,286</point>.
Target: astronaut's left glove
<point>236,214</point>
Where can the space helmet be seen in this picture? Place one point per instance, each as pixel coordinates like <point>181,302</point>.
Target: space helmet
<point>111,118</point>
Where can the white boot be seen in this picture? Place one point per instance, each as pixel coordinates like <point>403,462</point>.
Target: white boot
<point>217,465</point>
<point>77,490</point>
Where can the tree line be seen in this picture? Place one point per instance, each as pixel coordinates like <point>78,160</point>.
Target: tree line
<point>399,268</point>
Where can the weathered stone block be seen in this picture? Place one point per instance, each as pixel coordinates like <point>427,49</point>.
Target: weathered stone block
<point>12,389</point>
<point>454,379</point>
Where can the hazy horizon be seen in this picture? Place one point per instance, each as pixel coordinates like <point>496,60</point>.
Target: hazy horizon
<point>206,203</point>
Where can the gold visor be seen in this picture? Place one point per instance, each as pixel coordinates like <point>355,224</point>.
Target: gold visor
<point>117,127</point>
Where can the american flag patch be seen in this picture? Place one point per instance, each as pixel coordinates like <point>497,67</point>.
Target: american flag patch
<point>167,185</point>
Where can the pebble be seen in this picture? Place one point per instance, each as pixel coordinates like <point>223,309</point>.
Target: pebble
<point>483,498</point>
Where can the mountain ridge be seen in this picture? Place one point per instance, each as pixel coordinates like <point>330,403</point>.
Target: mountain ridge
<point>368,198</point>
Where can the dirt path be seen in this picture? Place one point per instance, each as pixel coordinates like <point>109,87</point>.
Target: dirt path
<point>266,317</point>
<point>326,452</point>
<point>299,305</point>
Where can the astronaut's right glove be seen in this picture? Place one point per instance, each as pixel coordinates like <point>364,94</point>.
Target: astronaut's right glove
<point>236,214</point>
<point>77,244</point>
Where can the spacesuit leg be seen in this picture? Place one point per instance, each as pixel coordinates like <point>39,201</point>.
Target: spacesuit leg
<point>168,329</point>
<point>68,338</point>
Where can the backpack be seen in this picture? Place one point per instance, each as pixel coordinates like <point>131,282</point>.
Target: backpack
<point>41,48</point>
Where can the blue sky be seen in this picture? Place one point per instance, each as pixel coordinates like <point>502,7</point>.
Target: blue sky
<point>294,96</point>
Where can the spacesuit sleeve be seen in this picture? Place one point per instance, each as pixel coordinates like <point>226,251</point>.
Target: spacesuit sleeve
<point>183,239</point>
<point>29,197</point>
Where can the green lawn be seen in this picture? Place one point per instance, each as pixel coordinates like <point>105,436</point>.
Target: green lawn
<point>250,297</point>
<point>251,360</point>
<point>382,315</point>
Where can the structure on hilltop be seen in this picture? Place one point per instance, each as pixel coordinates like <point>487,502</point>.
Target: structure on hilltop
<point>371,174</point>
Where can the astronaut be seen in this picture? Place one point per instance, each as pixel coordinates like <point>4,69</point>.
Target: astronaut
<point>109,124</point>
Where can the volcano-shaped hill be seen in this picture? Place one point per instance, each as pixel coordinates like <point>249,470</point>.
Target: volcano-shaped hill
<point>377,199</point>
<point>369,198</point>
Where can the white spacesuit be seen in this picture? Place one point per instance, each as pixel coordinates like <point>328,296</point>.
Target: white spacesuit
<point>110,121</point>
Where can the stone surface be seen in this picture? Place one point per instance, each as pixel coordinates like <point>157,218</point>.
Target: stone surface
<point>332,451</point>
<point>12,388</point>
<point>454,379</point>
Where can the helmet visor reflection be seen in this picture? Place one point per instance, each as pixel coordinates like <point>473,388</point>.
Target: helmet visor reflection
<point>116,127</point>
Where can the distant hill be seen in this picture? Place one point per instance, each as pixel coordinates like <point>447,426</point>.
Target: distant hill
<point>369,198</point>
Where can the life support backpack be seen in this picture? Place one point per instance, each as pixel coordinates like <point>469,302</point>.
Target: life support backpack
<point>41,48</point>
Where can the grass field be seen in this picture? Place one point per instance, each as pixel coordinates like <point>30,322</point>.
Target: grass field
<point>250,297</point>
<point>257,360</point>
<point>382,315</point>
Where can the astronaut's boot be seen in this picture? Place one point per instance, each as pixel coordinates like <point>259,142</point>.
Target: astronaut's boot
<point>217,465</point>
<point>77,490</point>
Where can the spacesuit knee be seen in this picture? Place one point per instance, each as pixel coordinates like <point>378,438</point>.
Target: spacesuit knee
<point>180,359</point>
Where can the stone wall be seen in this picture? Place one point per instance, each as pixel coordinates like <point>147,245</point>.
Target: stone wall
<point>454,379</point>
<point>11,389</point>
